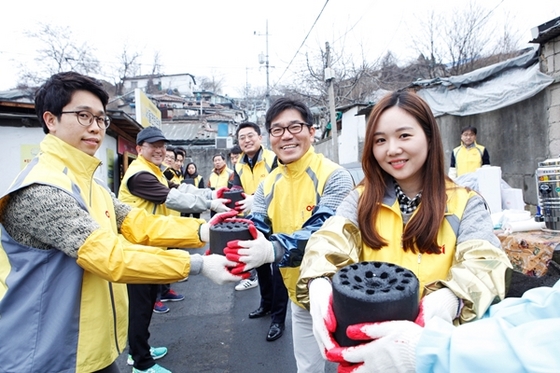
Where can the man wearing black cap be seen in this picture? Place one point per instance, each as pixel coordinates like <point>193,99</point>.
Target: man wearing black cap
<point>145,186</point>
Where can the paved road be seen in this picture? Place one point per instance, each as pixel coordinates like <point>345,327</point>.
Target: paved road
<point>210,332</point>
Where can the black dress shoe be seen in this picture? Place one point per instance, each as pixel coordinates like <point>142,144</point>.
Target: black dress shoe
<point>275,332</point>
<point>259,312</point>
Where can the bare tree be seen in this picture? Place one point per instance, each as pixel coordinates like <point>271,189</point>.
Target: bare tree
<point>461,42</point>
<point>212,83</point>
<point>129,66</point>
<point>60,52</point>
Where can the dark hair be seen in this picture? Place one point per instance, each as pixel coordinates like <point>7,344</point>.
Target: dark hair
<point>420,233</point>
<point>469,128</point>
<point>248,124</point>
<point>282,104</point>
<point>187,170</point>
<point>235,150</point>
<point>179,150</point>
<point>218,155</point>
<point>57,92</point>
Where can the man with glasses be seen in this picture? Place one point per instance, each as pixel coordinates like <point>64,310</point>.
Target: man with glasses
<point>68,245</point>
<point>289,205</point>
<point>469,156</point>
<point>253,165</point>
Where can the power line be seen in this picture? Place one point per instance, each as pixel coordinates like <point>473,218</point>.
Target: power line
<point>302,44</point>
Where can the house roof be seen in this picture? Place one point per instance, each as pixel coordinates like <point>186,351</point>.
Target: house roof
<point>545,32</point>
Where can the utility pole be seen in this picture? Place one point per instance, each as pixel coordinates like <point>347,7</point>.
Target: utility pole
<point>329,78</point>
<point>266,64</point>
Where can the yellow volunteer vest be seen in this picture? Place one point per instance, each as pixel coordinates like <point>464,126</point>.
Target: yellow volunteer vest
<point>103,313</point>
<point>142,165</point>
<point>292,191</point>
<point>427,267</point>
<point>250,179</point>
<point>468,159</point>
<point>220,180</point>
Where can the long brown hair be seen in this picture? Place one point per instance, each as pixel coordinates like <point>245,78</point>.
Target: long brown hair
<point>421,231</point>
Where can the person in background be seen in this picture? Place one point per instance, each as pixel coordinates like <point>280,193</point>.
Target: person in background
<point>219,177</point>
<point>290,204</point>
<point>469,156</point>
<point>180,156</point>
<point>220,173</point>
<point>515,335</point>
<point>145,186</point>
<point>253,165</point>
<point>168,165</point>
<point>73,246</point>
<point>192,177</point>
<point>234,155</point>
<point>406,211</point>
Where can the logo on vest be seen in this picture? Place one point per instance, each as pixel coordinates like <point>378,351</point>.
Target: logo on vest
<point>442,248</point>
<point>309,208</point>
<point>107,214</point>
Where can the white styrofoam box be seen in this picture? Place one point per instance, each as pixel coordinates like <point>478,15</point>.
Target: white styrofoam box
<point>512,199</point>
<point>489,185</point>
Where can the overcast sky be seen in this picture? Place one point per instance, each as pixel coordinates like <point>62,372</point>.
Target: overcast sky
<point>217,37</point>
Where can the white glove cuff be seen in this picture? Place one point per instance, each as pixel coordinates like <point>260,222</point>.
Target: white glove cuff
<point>204,232</point>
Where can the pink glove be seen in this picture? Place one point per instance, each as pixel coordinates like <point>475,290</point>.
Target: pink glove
<point>216,268</point>
<point>324,322</point>
<point>219,193</point>
<point>442,303</point>
<point>250,254</point>
<point>392,348</point>
<point>204,230</point>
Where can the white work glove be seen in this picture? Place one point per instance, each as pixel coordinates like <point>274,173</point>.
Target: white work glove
<point>215,267</point>
<point>246,204</point>
<point>441,303</point>
<point>452,173</point>
<point>204,230</point>
<point>322,315</point>
<point>218,205</point>
<point>391,348</point>
<point>253,253</point>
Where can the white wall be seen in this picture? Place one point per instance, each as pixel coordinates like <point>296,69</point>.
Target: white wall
<point>353,132</point>
<point>12,138</point>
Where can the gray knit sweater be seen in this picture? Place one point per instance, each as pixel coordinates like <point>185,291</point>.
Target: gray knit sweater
<point>47,217</point>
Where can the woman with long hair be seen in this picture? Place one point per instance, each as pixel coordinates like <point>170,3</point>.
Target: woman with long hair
<point>192,177</point>
<point>408,212</point>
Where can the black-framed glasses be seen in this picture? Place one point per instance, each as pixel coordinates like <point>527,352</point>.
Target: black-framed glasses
<point>293,128</point>
<point>85,118</point>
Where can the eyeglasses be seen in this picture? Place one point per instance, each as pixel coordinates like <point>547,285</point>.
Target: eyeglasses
<point>85,118</point>
<point>293,128</point>
<point>153,146</point>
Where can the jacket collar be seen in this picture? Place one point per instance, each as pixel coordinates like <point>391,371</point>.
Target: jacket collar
<point>299,166</point>
<point>78,162</point>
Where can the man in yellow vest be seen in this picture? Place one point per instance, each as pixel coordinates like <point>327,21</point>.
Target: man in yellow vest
<point>69,246</point>
<point>144,185</point>
<point>469,156</point>
<point>220,174</point>
<point>289,205</point>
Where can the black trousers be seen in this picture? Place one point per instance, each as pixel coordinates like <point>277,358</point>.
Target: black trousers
<point>274,296</point>
<point>141,299</point>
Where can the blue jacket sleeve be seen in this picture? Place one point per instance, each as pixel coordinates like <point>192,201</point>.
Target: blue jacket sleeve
<point>515,335</point>
<point>294,244</point>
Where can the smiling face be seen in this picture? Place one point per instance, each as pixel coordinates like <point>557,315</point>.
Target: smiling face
<point>154,152</point>
<point>291,147</point>
<point>249,141</point>
<point>68,129</point>
<point>401,148</point>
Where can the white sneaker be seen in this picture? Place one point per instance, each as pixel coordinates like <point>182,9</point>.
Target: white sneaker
<point>247,284</point>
